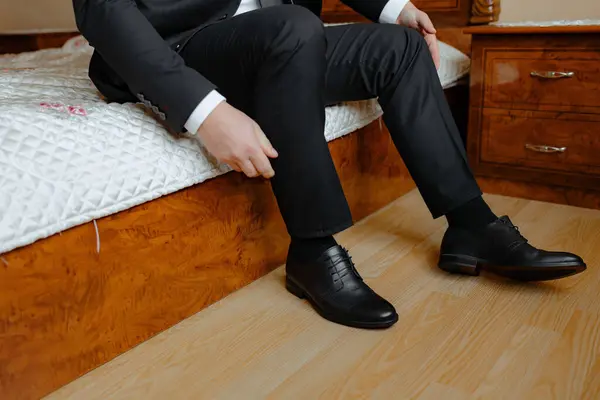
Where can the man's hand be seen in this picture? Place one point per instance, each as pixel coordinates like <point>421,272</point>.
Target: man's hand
<point>234,138</point>
<point>414,18</point>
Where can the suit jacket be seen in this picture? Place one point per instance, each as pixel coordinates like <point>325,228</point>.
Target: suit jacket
<point>137,44</point>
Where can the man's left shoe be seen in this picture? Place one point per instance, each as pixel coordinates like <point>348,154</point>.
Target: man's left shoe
<point>336,291</point>
<point>500,248</point>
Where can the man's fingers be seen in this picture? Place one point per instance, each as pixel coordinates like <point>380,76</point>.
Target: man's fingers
<point>436,53</point>
<point>434,49</point>
<point>428,31</point>
<point>248,168</point>
<point>263,165</point>
<point>260,160</point>
<point>235,166</point>
<point>265,144</point>
<point>426,24</point>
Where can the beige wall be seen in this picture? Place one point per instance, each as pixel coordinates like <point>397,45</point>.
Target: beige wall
<point>56,15</point>
<point>548,10</point>
<point>36,15</point>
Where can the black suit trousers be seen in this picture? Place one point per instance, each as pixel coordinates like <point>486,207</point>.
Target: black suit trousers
<point>281,66</point>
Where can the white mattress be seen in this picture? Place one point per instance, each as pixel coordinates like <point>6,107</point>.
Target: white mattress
<point>67,158</point>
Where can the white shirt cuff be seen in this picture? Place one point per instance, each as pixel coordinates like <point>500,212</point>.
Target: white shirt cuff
<point>206,106</point>
<point>391,11</point>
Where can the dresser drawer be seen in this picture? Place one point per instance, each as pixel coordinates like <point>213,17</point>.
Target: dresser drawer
<point>431,5</point>
<point>544,140</point>
<point>566,80</point>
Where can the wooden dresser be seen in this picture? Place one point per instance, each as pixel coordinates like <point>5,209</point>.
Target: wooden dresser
<point>534,118</point>
<point>444,13</point>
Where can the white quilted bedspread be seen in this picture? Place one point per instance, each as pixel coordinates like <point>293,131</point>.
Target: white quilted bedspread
<point>67,158</point>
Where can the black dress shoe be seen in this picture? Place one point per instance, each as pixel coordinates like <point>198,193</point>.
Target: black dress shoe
<point>337,292</point>
<point>501,249</point>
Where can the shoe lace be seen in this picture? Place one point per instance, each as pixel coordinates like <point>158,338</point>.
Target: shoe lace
<point>347,267</point>
<point>520,238</point>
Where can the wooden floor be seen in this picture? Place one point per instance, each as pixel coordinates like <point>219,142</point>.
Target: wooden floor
<point>457,338</point>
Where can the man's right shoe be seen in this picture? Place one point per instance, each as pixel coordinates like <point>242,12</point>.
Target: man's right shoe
<point>500,248</point>
<point>337,292</point>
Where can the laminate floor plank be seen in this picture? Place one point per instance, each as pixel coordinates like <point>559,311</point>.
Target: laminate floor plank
<point>458,337</point>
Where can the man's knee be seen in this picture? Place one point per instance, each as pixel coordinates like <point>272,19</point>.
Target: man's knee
<point>296,26</point>
<point>402,38</point>
<point>394,49</point>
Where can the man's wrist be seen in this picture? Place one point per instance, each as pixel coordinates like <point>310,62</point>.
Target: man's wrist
<point>203,110</point>
<point>391,12</point>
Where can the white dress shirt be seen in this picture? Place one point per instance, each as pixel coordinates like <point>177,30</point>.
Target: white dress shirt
<point>389,15</point>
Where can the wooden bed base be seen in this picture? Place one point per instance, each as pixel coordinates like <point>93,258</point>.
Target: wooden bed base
<point>66,308</point>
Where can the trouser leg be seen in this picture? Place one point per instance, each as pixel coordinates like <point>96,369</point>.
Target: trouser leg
<point>393,63</point>
<point>271,64</point>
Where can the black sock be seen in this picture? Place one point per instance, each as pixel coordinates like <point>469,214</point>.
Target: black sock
<point>473,214</point>
<point>310,249</point>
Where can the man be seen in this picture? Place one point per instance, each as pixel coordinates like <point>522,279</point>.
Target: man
<point>278,67</point>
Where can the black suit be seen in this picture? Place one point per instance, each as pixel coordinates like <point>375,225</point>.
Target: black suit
<point>281,66</point>
<point>138,40</point>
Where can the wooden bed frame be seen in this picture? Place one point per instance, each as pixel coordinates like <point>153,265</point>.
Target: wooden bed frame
<point>66,309</point>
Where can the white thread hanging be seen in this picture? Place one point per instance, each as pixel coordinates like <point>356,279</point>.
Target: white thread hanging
<point>97,238</point>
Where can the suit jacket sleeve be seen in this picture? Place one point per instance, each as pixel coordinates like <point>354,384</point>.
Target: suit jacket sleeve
<point>369,8</point>
<point>131,46</point>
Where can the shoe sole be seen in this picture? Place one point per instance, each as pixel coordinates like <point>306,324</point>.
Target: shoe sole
<point>468,265</point>
<point>297,291</point>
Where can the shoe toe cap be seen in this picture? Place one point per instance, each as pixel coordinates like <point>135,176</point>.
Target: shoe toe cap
<point>561,259</point>
<point>376,311</point>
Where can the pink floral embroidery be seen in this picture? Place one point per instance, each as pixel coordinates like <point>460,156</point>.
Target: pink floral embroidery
<point>62,108</point>
<point>53,106</point>
<point>77,110</point>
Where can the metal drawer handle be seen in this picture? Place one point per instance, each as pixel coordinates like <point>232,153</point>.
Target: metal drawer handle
<point>552,74</point>
<point>540,148</point>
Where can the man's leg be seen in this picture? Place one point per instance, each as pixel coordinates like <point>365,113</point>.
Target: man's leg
<point>393,63</point>
<point>271,64</point>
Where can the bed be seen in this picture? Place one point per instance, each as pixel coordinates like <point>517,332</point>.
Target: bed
<point>69,158</point>
<point>113,229</point>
